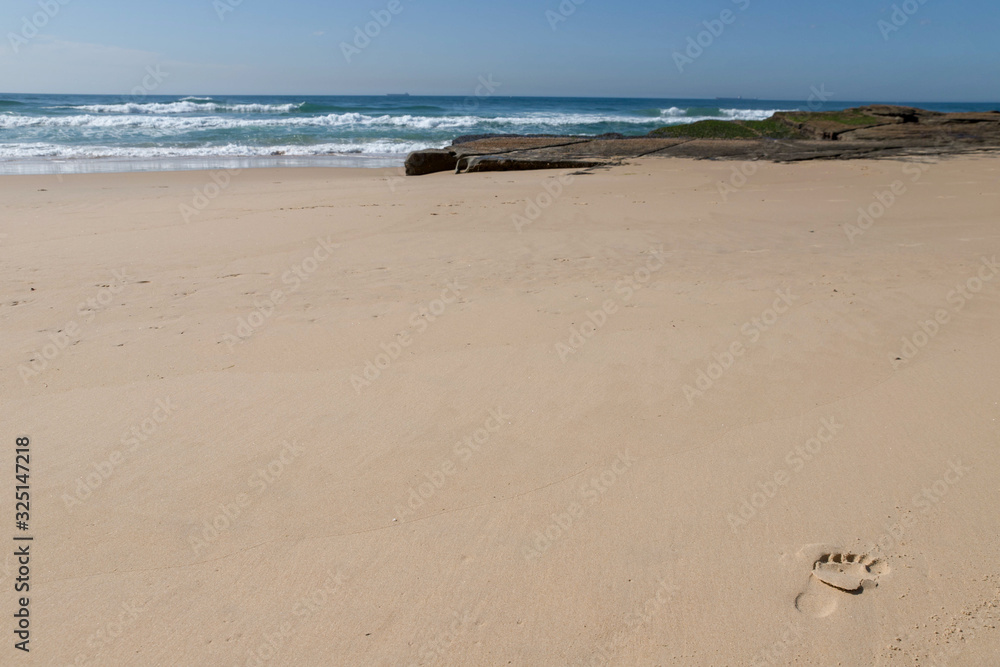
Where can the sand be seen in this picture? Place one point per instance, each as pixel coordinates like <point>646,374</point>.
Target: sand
<point>341,417</point>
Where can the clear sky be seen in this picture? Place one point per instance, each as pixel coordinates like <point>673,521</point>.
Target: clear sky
<point>775,49</point>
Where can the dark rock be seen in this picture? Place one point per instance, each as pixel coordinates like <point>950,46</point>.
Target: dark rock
<point>897,114</point>
<point>879,130</point>
<point>469,165</point>
<point>430,161</point>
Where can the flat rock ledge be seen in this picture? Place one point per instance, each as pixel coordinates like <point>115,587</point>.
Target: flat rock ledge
<point>889,131</point>
<point>470,165</point>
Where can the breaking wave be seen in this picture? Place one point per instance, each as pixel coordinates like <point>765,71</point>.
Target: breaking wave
<point>51,151</point>
<point>121,118</point>
<point>186,106</point>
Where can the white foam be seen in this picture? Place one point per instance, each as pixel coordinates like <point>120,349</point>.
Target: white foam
<point>750,114</point>
<point>673,111</point>
<point>50,151</point>
<point>188,123</point>
<point>188,105</point>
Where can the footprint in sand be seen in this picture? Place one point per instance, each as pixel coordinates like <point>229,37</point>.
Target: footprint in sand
<point>848,572</point>
<point>817,600</point>
<point>833,574</point>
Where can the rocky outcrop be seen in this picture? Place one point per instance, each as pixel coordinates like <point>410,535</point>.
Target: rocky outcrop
<point>878,130</point>
<point>430,161</point>
<point>470,165</point>
<point>896,114</point>
<point>884,122</point>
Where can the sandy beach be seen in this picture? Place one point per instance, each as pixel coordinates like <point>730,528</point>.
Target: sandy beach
<point>673,412</point>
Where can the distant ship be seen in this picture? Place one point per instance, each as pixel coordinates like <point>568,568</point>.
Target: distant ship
<point>398,95</point>
<point>737,99</point>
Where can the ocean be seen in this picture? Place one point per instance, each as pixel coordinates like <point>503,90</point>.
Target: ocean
<point>100,133</point>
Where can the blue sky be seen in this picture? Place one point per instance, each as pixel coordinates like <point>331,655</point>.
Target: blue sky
<point>774,49</point>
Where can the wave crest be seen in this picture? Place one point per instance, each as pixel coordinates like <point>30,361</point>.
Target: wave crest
<point>192,105</point>
<point>190,123</point>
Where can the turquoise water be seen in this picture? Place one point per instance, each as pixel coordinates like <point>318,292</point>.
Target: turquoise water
<point>39,131</point>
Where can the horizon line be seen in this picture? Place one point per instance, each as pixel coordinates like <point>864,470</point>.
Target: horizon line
<point>546,97</point>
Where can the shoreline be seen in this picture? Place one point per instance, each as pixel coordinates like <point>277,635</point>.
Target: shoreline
<point>860,132</point>
<point>99,167</point>
<point>113,165</point>
<point>396,166</point>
